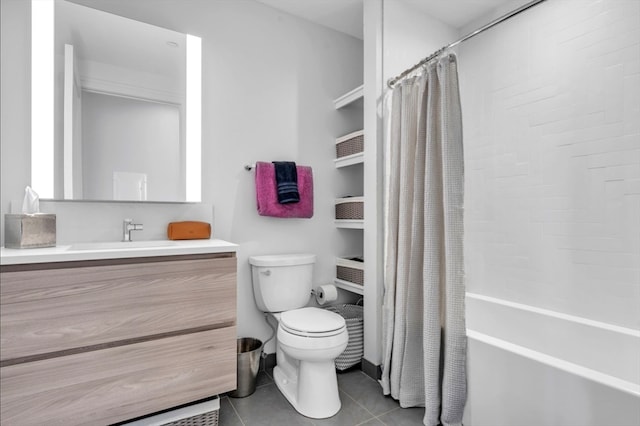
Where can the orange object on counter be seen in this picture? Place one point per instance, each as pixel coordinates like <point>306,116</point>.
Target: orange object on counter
<point>189,230</point>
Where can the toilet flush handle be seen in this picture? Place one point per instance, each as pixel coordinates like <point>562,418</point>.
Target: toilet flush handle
<point>267,272</point>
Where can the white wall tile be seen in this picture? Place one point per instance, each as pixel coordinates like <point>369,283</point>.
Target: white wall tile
<point>551,101</point>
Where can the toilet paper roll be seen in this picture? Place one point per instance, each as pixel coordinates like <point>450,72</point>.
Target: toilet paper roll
<point>326,293</point>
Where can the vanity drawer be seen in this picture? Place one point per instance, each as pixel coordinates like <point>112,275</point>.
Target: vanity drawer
<point>48,311</point>
<point>119,383</point>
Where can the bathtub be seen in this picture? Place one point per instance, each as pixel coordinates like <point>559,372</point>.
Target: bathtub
<point>531,366</point>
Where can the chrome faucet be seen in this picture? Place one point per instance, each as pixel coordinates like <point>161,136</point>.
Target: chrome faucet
<point>129,226</point>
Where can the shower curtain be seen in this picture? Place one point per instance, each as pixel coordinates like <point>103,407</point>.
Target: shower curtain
<point>424,336</point>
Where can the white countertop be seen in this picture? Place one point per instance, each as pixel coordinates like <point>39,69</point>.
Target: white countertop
<point>113,250</point>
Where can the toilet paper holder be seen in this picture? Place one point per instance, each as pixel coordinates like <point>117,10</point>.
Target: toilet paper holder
<point>325,293</point>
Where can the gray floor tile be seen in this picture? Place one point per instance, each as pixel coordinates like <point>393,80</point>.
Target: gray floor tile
<point>372,422</point>
<point>263,378</point>
<point>227,415</point>
<point>267,406</point>
<point>403,417</point>
<point>366,391</point>
<point>350,414</point>
<point>362,404</point>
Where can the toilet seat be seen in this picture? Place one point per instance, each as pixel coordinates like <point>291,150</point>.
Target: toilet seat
<point>312,322</point>
<point>312,334</point>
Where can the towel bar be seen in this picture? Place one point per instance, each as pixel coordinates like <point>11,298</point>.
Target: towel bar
<point>249,167</point>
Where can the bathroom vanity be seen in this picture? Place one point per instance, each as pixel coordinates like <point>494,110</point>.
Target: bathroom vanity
<point>94,335</point>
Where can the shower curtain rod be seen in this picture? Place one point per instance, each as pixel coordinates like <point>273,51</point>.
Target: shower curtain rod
<point>392,81</point>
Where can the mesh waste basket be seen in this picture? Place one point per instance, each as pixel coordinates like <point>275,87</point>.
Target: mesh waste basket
<point>352,315</point>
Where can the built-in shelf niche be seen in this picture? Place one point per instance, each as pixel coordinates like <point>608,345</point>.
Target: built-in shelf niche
<point>353,98</point>
<point>352,104</point>
<point>346,285</point>
<point>349,160</point>
<point>349,223</point>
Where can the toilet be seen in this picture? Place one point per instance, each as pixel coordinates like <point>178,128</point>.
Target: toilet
<point>308,339</point>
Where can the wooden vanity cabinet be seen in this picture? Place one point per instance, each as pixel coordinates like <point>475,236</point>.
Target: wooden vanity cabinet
<point>102,341</point>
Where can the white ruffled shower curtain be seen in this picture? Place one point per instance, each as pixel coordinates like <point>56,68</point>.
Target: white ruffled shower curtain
<point>424,336</point>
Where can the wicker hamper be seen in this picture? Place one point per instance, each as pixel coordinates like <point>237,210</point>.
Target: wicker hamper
<point>201,413</point>
<point>350,144</point>
<point>205,419</point>
<point>354,352</point>
<point>351,208</point>
<point>351,270</point>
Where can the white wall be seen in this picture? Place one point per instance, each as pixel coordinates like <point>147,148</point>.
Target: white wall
<point>269,80</point>
<point>409,36</point>
<point>372,234</point>
<point>15,105</point>
<point>551,101</point>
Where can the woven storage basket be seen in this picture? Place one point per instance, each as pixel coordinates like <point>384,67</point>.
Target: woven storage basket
<point>354,352</point>
<point>205,419</point>
<point>350,270</point>
<point>203,413</point>
<point>350,144</point>
<point>350,208</point>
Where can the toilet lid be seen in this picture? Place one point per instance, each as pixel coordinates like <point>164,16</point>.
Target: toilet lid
<point>311,320</point>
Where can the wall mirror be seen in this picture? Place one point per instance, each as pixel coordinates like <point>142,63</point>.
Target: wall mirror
<point>115,107</point>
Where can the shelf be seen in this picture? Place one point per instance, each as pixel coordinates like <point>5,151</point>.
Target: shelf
<point>350,223</point>
<point>350,148</point>
<point>349,98</point>
<point>351,135</point>
<point>346,285</point>
<point>349,160</point>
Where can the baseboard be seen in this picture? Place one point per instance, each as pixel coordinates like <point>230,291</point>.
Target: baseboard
<point>372,370</point>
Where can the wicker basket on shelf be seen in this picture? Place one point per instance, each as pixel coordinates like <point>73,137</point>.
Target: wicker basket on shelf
<point>350,144</point>
<point>350,269</point>
<point>351,208</point>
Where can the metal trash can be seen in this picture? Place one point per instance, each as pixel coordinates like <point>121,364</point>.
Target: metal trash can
<point>249,352</point>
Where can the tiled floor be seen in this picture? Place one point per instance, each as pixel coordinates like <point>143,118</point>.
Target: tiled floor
<point>362,404</point>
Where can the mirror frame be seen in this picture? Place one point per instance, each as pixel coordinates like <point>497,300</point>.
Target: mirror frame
<point>42,107</point>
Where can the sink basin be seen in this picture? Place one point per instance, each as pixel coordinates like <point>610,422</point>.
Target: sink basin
<point>122,245</point>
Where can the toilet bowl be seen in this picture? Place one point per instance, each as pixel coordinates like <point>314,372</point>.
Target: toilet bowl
<point>305,371</point>
<point>308,339</point>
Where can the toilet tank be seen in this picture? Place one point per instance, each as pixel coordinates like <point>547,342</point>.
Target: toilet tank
<point>282,282</point>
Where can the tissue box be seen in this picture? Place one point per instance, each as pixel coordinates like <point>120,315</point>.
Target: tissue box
<point>29,230</point>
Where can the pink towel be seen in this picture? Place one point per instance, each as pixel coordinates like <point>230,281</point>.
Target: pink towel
<point>267,194</point>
